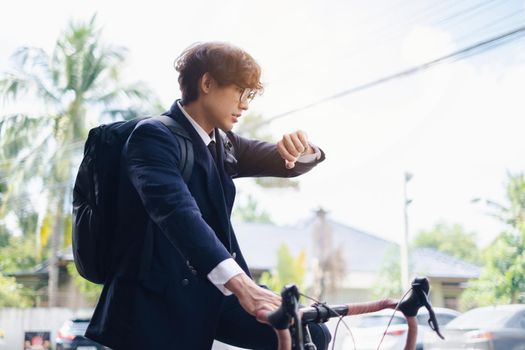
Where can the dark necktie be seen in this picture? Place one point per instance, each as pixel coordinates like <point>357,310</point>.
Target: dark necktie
<point>213,150</point>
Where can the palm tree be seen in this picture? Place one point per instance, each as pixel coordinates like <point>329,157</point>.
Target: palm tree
<point>512,212</point>
<point>75,88</point>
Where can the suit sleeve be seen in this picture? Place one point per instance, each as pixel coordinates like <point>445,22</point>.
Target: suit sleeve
<point>259,158</point>
<point>152,158</point>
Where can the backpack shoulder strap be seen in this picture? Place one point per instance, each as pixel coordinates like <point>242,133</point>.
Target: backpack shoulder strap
<point>186,147</point>
<point>228,145</point>
<point>230,160</point>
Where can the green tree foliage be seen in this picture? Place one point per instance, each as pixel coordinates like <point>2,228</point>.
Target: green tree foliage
<point>451,239</point>
<point>12,294</point>
<point>252,212</point>
<point>76,87</point>
<point>512,212</point>
<point>503,277</point>
<point>247,208</point>
<point>90,290</point>
<point>252,126</point>
<point>388,283</point>
<point>290,269</point>
<point>4,236</point>
<point>17,255</point>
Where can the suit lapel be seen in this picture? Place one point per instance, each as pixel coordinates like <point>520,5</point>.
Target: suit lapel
<point>226,180</point>
<point>204,159</point>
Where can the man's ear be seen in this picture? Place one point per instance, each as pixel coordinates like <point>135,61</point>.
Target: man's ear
<point>206,83</point>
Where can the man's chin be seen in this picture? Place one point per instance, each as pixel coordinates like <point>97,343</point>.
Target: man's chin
<point>226,127</point>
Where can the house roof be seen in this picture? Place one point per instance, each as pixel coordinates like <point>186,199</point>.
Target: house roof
<point>433,263</point>
<point>361,251</point>
<point>260,242</point>
<point>64,255</point>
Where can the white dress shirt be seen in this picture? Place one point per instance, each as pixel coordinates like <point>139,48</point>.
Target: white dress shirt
<point>229,268</point>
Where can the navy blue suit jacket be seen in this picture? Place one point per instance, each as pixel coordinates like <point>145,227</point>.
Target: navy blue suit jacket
<point>171,234</point>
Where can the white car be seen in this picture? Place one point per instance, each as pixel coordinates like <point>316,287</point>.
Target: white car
<point>443,316</point>
<point>367,330</point>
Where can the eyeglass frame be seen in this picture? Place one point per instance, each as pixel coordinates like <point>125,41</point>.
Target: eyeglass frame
<point>247,98</point>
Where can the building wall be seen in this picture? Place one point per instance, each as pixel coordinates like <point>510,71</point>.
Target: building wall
<point>14,322</point>
<point>359,287</point>
<point>69,295</point>
<point>445,292</point>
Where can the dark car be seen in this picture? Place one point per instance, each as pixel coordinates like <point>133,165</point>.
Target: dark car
<point>71,336</point>
<point>486,328</point>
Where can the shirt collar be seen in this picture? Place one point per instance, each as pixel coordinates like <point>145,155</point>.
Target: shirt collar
<point>203,134</point>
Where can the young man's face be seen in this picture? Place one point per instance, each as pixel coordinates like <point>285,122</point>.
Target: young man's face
<point>225,104</point>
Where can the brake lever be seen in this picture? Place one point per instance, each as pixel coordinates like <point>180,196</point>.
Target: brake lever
<point>417,299</point>
<point>432,321</point>
<point>282,318</point>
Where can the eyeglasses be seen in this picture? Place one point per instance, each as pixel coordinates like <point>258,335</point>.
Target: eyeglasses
<point>247,95</point>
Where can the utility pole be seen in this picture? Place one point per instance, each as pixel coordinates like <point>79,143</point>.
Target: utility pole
<point>322,236</point>
<point>405,283</point>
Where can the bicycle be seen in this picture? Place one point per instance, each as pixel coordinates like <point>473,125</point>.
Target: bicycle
<point>294,318</point>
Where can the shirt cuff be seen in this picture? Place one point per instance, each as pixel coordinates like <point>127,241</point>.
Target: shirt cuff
<point>310,158</point>
<point>222,273</point>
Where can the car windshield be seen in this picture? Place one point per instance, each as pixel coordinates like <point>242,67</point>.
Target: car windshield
<point>377,321</point>
<point>480,318</point>
<point>78,327</point>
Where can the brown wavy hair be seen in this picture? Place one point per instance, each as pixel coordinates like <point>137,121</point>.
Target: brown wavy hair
<point>226,63</point>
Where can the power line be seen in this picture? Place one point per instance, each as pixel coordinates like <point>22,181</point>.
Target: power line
<point>427,17</point>
<point>430,16</point>
<point>427,13</point>
<point>490,24</point>
<point>465,11</point>
<point>488,44</point>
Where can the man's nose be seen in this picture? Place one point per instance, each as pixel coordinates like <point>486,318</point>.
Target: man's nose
<point>245,105</point>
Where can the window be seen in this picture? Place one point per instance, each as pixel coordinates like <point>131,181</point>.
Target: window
<point>451,302</point>
<point>520,321</point>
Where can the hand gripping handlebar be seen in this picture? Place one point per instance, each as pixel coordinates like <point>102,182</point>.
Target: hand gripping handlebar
<point>296,318</point>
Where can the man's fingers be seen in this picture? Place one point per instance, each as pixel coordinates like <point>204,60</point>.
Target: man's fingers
<point>288,164</point>
<point>262,316</point>
<point>283,151</point>
<point>297,143</point>
<point>303,138</point>
<point>290,146</point>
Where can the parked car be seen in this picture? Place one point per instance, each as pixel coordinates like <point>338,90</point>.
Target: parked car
<point>367,330</point>
<point>487,328</point>
<point>71,336</point>
<point>443,316</point>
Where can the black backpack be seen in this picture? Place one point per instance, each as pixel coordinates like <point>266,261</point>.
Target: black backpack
<point>95,192</point>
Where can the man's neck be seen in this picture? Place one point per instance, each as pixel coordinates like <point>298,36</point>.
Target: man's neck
<point>197,113</point>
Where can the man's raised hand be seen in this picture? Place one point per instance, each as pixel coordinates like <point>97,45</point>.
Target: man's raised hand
<point>292,146</point>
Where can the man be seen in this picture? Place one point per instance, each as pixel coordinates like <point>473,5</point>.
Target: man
<point>180,279</point>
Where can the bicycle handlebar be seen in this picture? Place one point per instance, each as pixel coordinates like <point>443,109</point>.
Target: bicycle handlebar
<point>291,316</point>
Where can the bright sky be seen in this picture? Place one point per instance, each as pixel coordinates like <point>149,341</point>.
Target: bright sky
<point>458,127</point>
